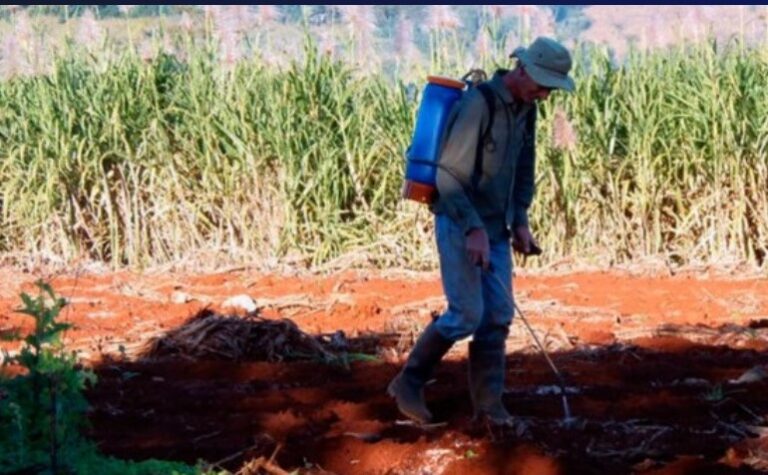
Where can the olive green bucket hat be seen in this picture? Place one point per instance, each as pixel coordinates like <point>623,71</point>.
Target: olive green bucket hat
<point>547,62</point>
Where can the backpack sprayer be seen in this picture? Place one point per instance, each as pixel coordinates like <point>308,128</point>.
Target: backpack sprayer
<point>438,99</point>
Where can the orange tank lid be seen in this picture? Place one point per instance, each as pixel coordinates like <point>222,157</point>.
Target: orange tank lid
<point>446,82</point>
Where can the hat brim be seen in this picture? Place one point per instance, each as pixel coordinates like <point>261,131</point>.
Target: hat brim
<point>542,76</point>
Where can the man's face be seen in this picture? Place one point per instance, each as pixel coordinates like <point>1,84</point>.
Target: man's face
<point>530,91</point>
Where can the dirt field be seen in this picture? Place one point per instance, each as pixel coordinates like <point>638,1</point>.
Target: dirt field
<point>664,374</point>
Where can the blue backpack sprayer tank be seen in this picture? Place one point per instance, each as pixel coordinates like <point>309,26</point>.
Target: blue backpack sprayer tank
<point>439,97</point>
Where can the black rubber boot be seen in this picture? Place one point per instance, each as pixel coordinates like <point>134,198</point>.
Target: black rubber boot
<point>487,362</point>
<point>408,386</point>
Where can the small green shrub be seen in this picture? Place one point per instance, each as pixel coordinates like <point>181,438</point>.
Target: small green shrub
<point>42,409</point>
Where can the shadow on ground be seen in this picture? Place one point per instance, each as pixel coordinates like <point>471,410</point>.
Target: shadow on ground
<point>689,408</point>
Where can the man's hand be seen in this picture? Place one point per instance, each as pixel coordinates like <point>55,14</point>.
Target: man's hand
<point>478,247</point>
<point>524,243</point>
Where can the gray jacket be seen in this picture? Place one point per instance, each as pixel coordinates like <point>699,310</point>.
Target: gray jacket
<point>495,192</point>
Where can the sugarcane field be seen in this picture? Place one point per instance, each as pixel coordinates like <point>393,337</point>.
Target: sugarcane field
<point>383,239</point>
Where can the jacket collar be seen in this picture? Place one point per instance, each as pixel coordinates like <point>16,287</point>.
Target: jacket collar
<point>497,83</point>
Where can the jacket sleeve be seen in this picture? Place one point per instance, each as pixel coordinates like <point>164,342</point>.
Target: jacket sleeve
<point>457,161</point>
<point>525,174</point>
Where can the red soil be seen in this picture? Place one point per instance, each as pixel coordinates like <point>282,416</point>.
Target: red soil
<point>651,361</point>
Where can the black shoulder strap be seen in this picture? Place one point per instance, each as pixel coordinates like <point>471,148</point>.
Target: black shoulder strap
<point>490,101</point>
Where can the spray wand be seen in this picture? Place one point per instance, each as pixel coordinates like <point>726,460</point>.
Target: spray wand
<point>561,381</point>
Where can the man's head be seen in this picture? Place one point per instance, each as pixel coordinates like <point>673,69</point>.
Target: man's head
<point>542,67</point>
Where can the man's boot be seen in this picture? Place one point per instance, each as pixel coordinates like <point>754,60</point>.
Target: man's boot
<point>408,386</point>
<point>487,362</point>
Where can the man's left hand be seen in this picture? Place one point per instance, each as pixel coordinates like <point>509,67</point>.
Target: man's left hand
<point>524,242</point>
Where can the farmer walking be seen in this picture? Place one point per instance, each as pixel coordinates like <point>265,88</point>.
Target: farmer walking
<point>485,185</point>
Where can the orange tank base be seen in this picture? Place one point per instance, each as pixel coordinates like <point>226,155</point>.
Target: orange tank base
<point>413,190</point>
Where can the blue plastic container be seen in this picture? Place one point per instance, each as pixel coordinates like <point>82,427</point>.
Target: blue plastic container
<point>437,101</point>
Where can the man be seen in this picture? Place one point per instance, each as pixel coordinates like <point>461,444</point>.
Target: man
<point>485,184</point>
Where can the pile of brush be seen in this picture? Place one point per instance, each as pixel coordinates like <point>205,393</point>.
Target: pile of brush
<point>209,335</point>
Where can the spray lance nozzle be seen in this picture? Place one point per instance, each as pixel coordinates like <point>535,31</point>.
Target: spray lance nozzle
<point>568,419</point>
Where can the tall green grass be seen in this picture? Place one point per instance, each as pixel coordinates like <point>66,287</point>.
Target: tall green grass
<point>671,159</point>
<point>137,163</point>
